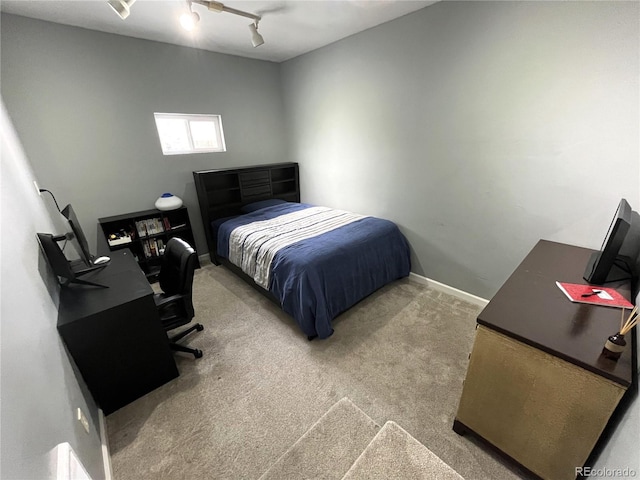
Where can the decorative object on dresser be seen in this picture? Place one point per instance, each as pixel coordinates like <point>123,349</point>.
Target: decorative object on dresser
<point>146,234</point>
<point>315,262</point>
<point>537,388</point>
<point>615,344</point>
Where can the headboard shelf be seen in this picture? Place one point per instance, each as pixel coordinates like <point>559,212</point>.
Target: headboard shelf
<point>222,192</point>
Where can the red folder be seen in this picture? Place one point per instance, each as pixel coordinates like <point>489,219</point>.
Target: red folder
<point>608,297</point>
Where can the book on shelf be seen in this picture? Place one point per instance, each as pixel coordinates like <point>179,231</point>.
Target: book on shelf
<point>153,247</point>
<point>150,226</point>
<point>594,295</point>
<point>141,227</point>
<point>157,225</point>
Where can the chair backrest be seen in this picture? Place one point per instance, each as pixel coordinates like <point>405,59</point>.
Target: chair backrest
<point>176,271</point>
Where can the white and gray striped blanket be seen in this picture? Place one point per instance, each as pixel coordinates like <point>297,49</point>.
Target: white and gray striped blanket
<point>252,247</point>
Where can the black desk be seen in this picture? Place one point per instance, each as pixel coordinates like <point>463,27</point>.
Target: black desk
<point>114,334</point>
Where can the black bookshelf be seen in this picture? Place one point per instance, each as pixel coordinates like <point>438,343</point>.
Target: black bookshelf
<point>146,233</point>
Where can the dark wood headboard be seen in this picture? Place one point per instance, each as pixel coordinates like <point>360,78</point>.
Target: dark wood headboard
<point>222,192</point>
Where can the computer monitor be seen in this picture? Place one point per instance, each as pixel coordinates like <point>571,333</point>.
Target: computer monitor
<point>76,229</point>
<point>601,265</point>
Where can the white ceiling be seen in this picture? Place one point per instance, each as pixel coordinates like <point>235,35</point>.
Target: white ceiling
<point>290,28</point>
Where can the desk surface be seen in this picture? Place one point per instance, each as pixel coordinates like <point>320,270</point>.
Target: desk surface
<point>122,275</point>
<point>531,308</point>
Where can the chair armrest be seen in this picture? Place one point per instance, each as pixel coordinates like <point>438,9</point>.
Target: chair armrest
<point>163,302</point>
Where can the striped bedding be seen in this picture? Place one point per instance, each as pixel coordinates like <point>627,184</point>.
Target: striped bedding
<point>316,261</point>
<point>253,247</point>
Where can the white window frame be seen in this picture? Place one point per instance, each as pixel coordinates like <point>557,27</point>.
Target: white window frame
<point>187,117</point>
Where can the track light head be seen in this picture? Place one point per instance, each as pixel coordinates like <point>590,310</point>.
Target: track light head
<point>121,7</point>
<point>189,20</point>
<point>256,38</point>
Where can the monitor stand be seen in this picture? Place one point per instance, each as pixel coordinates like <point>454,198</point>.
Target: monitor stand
<point>79,268</point>
<point>66,281</point>
<point>619,273</point>
<point>616,274</point>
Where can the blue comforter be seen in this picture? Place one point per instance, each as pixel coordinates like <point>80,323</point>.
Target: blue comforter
<point>318,278</point>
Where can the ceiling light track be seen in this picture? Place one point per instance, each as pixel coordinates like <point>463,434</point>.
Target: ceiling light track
<point>256,38</point>
<point>219,7</point>
<point>190,20</point>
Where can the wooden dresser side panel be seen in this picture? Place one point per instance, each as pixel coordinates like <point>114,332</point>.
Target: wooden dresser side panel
<point>545,413</point>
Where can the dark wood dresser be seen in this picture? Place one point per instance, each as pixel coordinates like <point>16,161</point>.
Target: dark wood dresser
<point>537,388</point>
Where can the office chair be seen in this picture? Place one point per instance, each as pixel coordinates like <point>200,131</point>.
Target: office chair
<point>174,304</point>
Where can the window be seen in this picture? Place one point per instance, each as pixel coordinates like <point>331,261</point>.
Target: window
<point>185,133</point>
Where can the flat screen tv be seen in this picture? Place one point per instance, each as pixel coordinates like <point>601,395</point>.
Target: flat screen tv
<point>602,263</point>
<point>85,253</point>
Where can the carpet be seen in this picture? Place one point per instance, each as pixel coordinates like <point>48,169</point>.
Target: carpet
<point>400,354</point>
<point>329,448</point>
<point>394,453</point>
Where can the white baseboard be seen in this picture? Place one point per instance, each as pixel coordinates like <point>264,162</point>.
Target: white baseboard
<point>106,456</point>
<point>204,259</point>
<point>462,295</point>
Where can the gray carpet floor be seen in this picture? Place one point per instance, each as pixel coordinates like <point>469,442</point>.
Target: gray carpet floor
<point>401,354</point>
<point>329,448</point>
<point>394,453</point>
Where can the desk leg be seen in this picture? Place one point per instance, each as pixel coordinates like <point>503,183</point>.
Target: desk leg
<point>459,428</point>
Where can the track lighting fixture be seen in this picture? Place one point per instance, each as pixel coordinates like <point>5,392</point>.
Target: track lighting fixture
<point>121,7</point>
<point>256,38</point>
<point>189,20</point>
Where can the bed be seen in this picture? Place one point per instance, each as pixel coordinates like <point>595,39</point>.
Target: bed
<point>313,261</point>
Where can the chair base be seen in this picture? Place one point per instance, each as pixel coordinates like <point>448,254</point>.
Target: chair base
<point>181,348</point>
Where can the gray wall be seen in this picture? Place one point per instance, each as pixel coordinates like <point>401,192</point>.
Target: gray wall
<point>83,104</point>
<point>40,392</point>
<point>478,127</point>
